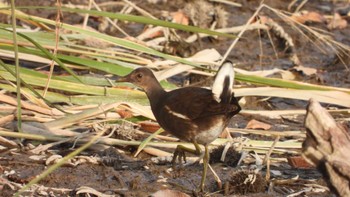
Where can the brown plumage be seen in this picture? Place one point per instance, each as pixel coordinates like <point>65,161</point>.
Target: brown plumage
<point>192,114</point>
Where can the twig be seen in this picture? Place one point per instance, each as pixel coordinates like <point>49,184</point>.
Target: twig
<point>19,112</point>
<point>86,17</point>
<point>57,38</point>
<point>267,157</point>
<point>241,33</point>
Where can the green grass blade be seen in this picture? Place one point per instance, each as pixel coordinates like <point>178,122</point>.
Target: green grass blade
<point>136,19</point>
<point>147,140</point>
<point>285,83</point>
<point>114,40</point>
<point>48,54</point>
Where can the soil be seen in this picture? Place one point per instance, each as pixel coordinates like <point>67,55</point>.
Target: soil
<point>120,174</point>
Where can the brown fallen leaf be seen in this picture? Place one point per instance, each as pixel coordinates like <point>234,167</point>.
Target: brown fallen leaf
<point>306,70</point>
<point>306,16</point>
<point>148,126</point>
<point>124,113</point>
<point>180,17</point>
<point>255,124</point>
<point>299,162</point>
<point>337,22</point>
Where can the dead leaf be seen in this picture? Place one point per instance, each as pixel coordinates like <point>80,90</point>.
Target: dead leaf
<point>206,55</point>
<point>255,124</point>
<point>306,16</point>
<point>124,113</point>
<point>172,71</point>
<point>306,70</point>
<point>265,19</point>
<point>150,33</point>
<point>169,193</point>
<point>337,22</point>
<point>148,126</point>
<point>298,162</point>
<point>180,17</point>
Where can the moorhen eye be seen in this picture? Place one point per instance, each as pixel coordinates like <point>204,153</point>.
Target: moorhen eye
<point>139,75</point>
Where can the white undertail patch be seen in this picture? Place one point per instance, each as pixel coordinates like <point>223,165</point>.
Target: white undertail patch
<point>225,72</point>
<point>176,114</point>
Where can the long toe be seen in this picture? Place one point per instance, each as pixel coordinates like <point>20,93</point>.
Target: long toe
<point>178,158</point>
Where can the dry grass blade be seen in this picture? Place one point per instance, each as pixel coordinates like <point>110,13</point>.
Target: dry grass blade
<point>333,97</point>
<point>60,163</point>
<point>276,114</point>
<point>8,143</point>
<point>10,100</point>
<point>298,134</point>
<point>6,119</point>
<point>327,40</point>
<point>75,118</point>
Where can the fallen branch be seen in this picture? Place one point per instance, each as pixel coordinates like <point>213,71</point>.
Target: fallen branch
<point>327,146</point>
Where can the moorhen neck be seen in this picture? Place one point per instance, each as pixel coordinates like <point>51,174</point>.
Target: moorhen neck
<point>192,114</point>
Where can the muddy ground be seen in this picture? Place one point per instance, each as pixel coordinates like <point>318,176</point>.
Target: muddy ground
<point>114,171</point>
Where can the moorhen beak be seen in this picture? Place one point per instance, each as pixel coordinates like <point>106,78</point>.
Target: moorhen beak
<point>192,114</point>
<point>122,79</point>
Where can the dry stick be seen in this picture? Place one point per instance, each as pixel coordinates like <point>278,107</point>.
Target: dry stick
<point>57,37</point>
<point>291,4</point>
<point>19,111</point>
<point>241,33</point>
<point>26,105</point>
<point>301,5</point>
<point>273,45</point>
<point>267,157</point>
<point>268,173</point>
<point>86,17</point>
<point>261,49</point>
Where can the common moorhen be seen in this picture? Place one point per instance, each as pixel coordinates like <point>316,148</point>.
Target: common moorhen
<point>192,114</point>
